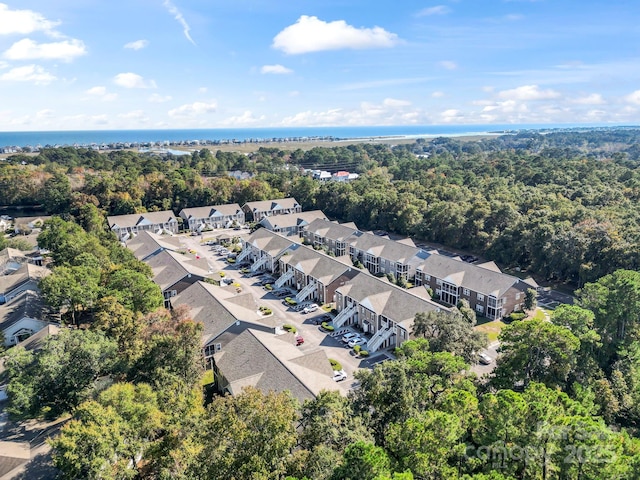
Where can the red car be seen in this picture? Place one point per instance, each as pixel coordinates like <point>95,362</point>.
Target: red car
<point>299,340</point>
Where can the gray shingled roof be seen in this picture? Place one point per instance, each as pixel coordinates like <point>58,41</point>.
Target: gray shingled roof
<point>331,230</point>
<point>292,219</point>
<point>218,307</point>
<point>146,243</point>
<point>478,278</point>
<point>246,361</point>
<point>318,265</point>
<point>210,210</point>
<point>26,272</point>
<point>134,219</point>
<point>382,297</point>
<point>269,242</point>
<point>170,267</point>
<point>383,247</point>
<point>27,304</point>
<point>268,205</point>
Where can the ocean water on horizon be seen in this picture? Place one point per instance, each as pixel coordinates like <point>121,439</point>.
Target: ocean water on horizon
<point>88,137</point>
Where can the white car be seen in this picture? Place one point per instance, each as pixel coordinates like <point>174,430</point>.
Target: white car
<point>347,337</point>
<point>484,359</point>
<point>339,375</point>
<point>310,308</point>
<point>357,341</point>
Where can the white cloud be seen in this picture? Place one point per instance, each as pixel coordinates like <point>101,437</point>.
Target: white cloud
<point>514,17</point>
<point>294,93</point>
<point>173,10</point>
<point>43,114</point>
<point>155,98</point>
<point>27,49</point>
<point>137,45</point>
<point>275,69</point>
<point>437,10</point>
<point>24,22</point>
<point>138,115</point>
<point>448,65</point>
<point>451,115</point>
<point>194,109</point>
<point>437,94</point>
<point>310,34</point>
<point>395,103</point>
<point>133,80</point>
<point>247,118</point>
<point>28,73</point>
<point>101,93</point>
<point>202,90</point>
<point>389,112</point>
<point>633,97</point>
<point>528,92</point>
<point>592,99</point>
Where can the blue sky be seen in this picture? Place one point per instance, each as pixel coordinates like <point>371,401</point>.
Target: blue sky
<point>96,64</point>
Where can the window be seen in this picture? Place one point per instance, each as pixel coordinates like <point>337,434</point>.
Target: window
<point>479,309</point>
<point>465,292</point>
<point>518,296</point>
<point>480,297</point>
<point>438,282</point>
<point>427,278</point>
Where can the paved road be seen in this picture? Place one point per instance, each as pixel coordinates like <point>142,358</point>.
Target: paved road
<point>481,369</point>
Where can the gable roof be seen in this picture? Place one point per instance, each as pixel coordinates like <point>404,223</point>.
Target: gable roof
<point>384,247</point>
<point>170,267</point>
<point>147,243</point>
<point>210,211</point>
<point>332,230</point>
<point>382,297</point>
<point>322,267</point>
<point>484,279</point>
<point>246,361</point>
<point>135,219</point>
<point>27,304</point>
<point>24,273</point>
<point>36,341</point>
<point>269,242</point>
<point>217,308</point>
<point>271,205</point>
<point>292,219</point>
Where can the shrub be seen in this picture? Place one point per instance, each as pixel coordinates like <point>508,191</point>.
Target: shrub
<point>357,348</point>
<point>290,301</point>
<point>231,260</point>
<point>289,328</point>
<point>222,274</point>
<point>364,353</point>
<point>336,365</point>
<point>266,311</point>
<point>268,286</point>
<point>327,327</point>
<point>515,316</point>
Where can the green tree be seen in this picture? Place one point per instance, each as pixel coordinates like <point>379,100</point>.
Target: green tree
<point>249,435</point>
<point>535,351</point>
<point>75,289</point>
<point>530,299</point>
<point>134,290</point>
<point>450,332</point>
<point>363,461</point>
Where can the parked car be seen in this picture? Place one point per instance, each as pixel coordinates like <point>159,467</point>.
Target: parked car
<point>339,375</point>
<point>299,340</point>
<point>310,308</point>
<point>484,359</point>
<point>357,341</point>
<point>347,337</point>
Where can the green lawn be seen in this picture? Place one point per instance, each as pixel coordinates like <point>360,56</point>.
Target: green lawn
<point>491,328</point>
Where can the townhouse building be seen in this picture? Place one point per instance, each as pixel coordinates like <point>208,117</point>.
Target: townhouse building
<point>199,219</point>
<point>380,308</point>
<point>315,275</point>
<point>489,292</point>
<point>291,224</point>
<point>263,248</point>
<point>125,226</point>
<point>256,211</point>
<point>147,244</point>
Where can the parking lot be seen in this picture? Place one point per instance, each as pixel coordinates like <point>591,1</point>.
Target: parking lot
<point>306,323</point>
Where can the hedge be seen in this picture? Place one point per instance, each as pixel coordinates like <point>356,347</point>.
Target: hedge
<point>289,328</point>
<point>336,365</point>
<point>327,327</point>
<point>364,353</point>
<point>517,316</point>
